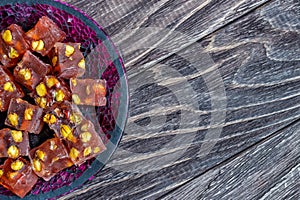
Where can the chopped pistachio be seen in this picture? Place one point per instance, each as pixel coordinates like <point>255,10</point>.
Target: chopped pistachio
<point>8,86</point>
<point>13,152</point>
<point>87,151</point>
<point>17,165</point>
<point>65,130</point>
<point>25,73</point>
<point>17,136</point>
<point>13,53</point>
<point>81,64</point>
<point>54,61</point>
<point>41,90</point>
<point>76,99</point>
<point>38,45</point>
<point>69,50</point>
<point>75,118</point>
<point>28,114</point>
<point>13,119</point>
<point>37,165</point>
<point>7,36</point>
<point>97,150</point>
<point>49,119</point>
<point>40,154</point>
<point>51,82</point>
<point>59,95</point>
<point>74,153</point>
<point>85,137</point>
<point>42,102</point>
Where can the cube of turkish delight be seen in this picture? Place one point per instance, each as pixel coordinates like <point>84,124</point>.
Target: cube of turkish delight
<point>83,143</point>
<point>63,118</point>
<point>30,71</point>
<point>67,59</point>
<point>24,116</point>
<point>49,158</point>
<point>12,45</point>
<point>18,176</point>
<point>44,35</point>
<point>8,89</point>
<point>51,90</point>
<point>13,143</point>
<point>88,91</point>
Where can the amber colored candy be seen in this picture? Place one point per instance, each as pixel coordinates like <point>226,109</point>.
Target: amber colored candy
<point>24,116</point>
<point>17,176</point>
<point>88,91</point>
<point>49,158</point>
<point>12,45</point>
<point>44,35</point>
<point>8,89</point>
<point>30,71</point>
<point>67,60</point>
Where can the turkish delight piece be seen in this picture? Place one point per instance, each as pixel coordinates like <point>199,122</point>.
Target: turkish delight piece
<point>13,143</point>
<point>18,176</point>
<point>44,35</point>
<point>88,91</point>
<point>8,89</point>
<point>49,158</point>
<point>24,116</point>
<point>12,45</point>
<point>67,59</point>
<point>30,71</point>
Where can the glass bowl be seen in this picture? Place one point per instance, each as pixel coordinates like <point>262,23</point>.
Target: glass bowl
<point>102,60</point>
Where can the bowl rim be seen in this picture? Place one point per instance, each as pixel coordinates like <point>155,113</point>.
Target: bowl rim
<point>124,97</point>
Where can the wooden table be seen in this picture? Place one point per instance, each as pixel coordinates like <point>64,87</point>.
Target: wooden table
<point>214,89</point>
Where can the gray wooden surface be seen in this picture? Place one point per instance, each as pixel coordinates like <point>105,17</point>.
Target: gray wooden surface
<point>214,89</point>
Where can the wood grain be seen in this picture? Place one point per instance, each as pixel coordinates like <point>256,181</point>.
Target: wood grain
<point>254,49</point>
<point>269,170</point>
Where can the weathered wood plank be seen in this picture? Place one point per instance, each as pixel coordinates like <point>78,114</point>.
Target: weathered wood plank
<point>125,21</point>
<point>269,170</point>
<point>257,60</point>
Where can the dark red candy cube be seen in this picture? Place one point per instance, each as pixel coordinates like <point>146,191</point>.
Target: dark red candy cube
<point>88,92</point>
<point>18,176</point>
<point>44,35</point>
<point>13,143</point>
<point>12,45</point>
<point>49,158</point>
<point>63,118</point>
<point>51,90</point>
<point>30,71</point>
<point>8,89</point>
<point>67,59</point>
<point>84,143</point>
<point>24,116</point>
